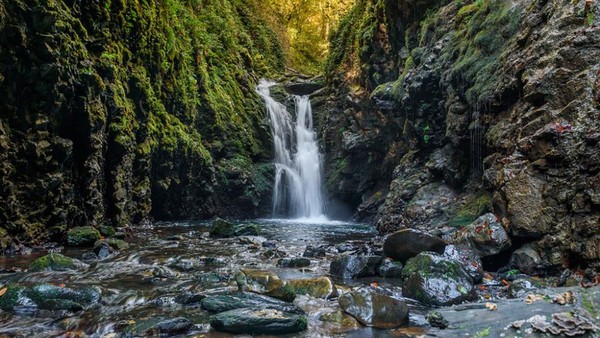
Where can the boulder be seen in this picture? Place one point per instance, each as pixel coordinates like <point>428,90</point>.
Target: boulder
<point>82,236</point>
<point>527,260</point>
<point>47,297</point>
<point>407,243</point>
<point>486,236</point>
<point>258,321</point>
<point>293,262</point>
<point>468,259</point>
<point>313,252</point>
<point>374,309</point>
<point>319,287</point>
<point>239,300</point>
<point>390,268</point>
<point>436,280</point>
<point>55,262</point>
<point>264,282</point>
<point>172,326</point>
<point>354,266</point>
<point>223,228</point>
<point>107,231</point>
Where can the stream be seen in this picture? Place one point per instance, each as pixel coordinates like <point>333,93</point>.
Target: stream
<point>141,285</point>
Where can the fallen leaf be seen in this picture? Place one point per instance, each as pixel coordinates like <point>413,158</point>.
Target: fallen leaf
<point>483,287</point>
<point>3,291</point>
<point>61,285</point>
<point>487,276</point>
<point>374,284</point>
<point>487,296</point>
<point>491,306</point>
<point>505,282</point>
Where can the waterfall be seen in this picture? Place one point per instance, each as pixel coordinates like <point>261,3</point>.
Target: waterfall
<point>297,188</point>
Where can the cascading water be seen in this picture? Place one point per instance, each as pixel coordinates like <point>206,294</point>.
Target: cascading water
<point>297,190</point>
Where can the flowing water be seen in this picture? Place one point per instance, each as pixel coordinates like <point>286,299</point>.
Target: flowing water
<point>297,188</point>
<point>141,285</point>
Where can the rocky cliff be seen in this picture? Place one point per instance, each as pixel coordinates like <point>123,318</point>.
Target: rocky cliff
<point>115,111</point>
<point>439,111</point>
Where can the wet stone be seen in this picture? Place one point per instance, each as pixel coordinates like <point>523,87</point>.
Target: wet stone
<point>408,243</point>
<point>223,228</point>
<point>374,309</point>
<point>320,287</point>
<point>47,297</point>
<point>238,300</point>
<point>175,325</point>
<point>314,252</point>
<point>55,262</point>
<point>353,266</point>
<point>259,321</point>
<point>293,262</point>
<point>486,236</point>
<point>264,282</point>
<point>436,280</point>
<point>468,259</point>
<point>390,268</point>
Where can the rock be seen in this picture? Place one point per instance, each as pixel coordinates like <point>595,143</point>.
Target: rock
<point>351,266</point>
<point>258,321</point>
<point>89,256</point>
<point>319,287</point>
<point>468,259</point>
<point>293,262</point>
<point>303,88</point>
<point>436,280</point>
<point>264,282</point>
<point>47,297</point>
<point>55,262</point>
<point>82,236</point>
<point>102,250</point>
<point>486,236</point>
<point>107,231</point>
<point>374,309</point>
<point>172,326</point>
<point>223,228</point>
<point>254,240</point>
<point>436,319</point>
<point>313,252</point>
<point>527,260</point>
<point>189,298</point>
<point>239,300</point>
<point>390,268</point>
<point>408,243</point>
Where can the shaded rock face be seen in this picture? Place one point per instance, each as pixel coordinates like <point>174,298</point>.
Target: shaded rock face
<point>436,280</point>
<point>373,309</point>
<point>239,300</point>
<point>407,243</point>
<point>458,94</point>
<point>120,124</point>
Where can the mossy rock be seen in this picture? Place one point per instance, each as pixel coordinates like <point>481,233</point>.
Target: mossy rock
<point>48,297</point>
<point>107,230</point>
<point>266,283</point>
<point>475,205</point>
<point>436,280</point>
<point>10,299</point>
<point>320,287</point>
<point>83,236</point>
<point>223,228</point>
<point>54,262</point>
<point>113,243</point>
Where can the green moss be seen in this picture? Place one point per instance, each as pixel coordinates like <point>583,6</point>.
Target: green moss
<point>82,236</point>
<point>53,262</point>
<point>474,206</point>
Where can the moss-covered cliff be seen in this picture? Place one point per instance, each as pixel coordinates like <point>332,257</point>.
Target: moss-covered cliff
<point>442,110</point>
<point>113,111</point>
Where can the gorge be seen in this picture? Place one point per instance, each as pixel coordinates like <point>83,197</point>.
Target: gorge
<point>148,172</point>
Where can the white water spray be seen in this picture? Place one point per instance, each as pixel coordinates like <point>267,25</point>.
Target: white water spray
<point>297,191</point>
